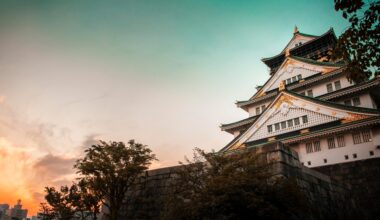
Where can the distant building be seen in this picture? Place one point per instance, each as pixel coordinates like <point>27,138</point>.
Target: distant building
<point>17,211</point>
<point>3,211</point>
<point>4,207</point>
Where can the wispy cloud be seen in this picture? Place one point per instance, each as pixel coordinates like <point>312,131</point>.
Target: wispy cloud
<point>28,159</point>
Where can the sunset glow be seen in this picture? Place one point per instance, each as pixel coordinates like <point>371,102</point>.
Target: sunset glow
<point>161,72</point>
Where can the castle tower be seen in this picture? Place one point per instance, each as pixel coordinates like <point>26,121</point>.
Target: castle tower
<point>309,105</point>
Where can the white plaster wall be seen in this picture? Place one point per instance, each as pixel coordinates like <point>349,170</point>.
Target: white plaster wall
<point>291,71</point>
<point>366,101</point>
<point>252,108</point>
<point>321,89</point>
<point>337,155</point>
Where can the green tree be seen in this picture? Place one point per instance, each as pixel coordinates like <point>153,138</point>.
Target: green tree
<point>359,44</point>
<point>239,186</point>
<point>110,169</point>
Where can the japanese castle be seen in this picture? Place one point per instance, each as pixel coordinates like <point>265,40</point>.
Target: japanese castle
<point>309,105</point>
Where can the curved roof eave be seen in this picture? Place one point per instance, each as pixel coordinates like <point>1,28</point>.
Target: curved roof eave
<point>330,31</point>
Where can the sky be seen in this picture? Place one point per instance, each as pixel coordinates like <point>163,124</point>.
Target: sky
<point>165,73</point>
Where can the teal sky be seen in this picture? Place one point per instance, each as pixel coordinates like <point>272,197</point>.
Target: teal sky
<point>166,73</point>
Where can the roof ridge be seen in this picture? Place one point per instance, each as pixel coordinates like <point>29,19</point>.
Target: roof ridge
<point>311,61</point>
<point>307,35</point>
<point>251,117</point>
<point>317,37</point>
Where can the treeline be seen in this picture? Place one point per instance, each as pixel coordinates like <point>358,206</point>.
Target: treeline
<point>106,172</point>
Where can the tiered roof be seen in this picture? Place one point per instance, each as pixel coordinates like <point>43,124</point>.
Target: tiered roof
<point>302,53</point>
<point>347,117</point>
<point>311,49</point>
<point>331,69</point>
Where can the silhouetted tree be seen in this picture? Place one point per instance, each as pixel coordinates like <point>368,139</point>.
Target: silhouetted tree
<point>213,186</point>
<point>89,201</point>
<point>76,201</point>
<point>110,169</point>
<point>45,212</point>
<point>61,201</point>
<point>359,44</point>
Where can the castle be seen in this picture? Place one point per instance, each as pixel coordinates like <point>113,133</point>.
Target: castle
<point>311,124</point>
<point>309,105</point>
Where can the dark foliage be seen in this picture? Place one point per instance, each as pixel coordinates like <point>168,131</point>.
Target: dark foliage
<point>215,186</point>
<point>359,45</point>
<point>74,202</point>
<point>110,169</point>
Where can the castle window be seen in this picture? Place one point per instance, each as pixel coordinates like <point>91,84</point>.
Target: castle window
<point>262,108</point>
<point>357,138</point>
<point>304,119</point>
<point>340,140</point>
<point>337,85</point>
<point>331,142</point>
<point>346,157</point>
<point>329,87</point>
<point>371,153</point>
<point>299,77</point>
<point>283,125</point>
<point>366,136</point>
<point>296,121</point>
<point>325,160</point>
<point>277,126</point>
<point>310,93</point>
<point>347,102</point>
<point>290,123</point>
<point>309,147</point>
<point>288,81</point>
<point>294,79</point>
<point>317,146</point>
<point>354,155</point>
<point>270,129</point>
<point>308,163</point>
<point>356,101</point>
<point>257,110</point>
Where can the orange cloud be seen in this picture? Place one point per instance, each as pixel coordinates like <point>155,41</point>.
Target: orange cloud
<point>24,177</point>
<point>2,99</point>
<point>15,168</point>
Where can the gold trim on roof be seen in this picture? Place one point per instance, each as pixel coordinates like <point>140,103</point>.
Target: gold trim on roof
<point>284,98</point>
<point>353,117</point>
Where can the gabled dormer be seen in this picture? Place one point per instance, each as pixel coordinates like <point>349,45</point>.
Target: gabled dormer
<point>291,114</point>
<point>295,69</point>
<point>298,39</point>
<point>306,46</point>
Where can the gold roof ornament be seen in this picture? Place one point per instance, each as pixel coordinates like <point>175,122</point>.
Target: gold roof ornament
<point>281,86</point>
<point>295,29</point>
<point>287,53</point>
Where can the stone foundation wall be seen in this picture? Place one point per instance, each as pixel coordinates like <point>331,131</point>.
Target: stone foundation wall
<point>362,179</point>
<point>325,194</point>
